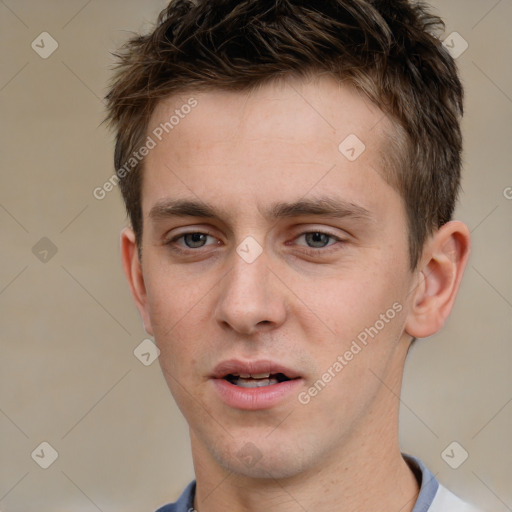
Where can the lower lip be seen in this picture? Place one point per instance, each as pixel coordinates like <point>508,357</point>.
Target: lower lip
<point>252,399</point>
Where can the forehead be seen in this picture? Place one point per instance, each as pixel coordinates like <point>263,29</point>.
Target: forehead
<point>299,108</point>
<point>279,139</point>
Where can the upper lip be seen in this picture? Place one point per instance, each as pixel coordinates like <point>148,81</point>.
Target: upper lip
<point>238,367</point>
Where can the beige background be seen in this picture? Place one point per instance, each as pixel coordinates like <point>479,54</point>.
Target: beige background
<point>68,375</point>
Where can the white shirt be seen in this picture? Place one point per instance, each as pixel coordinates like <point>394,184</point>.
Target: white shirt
<point>445,501</point>
<point>433,497</point>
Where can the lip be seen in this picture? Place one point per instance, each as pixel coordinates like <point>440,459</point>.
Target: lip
<point>257,398</point>
<point>251,367</point>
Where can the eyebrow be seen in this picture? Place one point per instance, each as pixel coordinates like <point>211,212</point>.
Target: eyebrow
<point>322,206</point>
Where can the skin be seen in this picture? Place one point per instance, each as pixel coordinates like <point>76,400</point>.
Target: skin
<point>300,303</point>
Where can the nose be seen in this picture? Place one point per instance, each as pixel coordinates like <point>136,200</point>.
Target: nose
<point>251,297</point>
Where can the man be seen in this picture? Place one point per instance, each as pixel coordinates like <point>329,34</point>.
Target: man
<point>290,171</point>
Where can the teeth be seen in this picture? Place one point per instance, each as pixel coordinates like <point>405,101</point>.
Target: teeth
<point>253,375</point>
<point>255,383</point>
<point>255,380</point>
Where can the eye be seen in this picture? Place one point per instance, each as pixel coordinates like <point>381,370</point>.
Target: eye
<point>194,240</point>
<point>317,239</point>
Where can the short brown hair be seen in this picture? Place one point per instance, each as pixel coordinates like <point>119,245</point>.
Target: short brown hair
<point>386,49</point>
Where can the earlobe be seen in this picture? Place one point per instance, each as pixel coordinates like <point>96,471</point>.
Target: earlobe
<point>439,275</point>
<point>133,271</point>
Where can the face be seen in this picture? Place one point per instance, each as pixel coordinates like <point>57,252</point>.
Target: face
<point>275,273</point>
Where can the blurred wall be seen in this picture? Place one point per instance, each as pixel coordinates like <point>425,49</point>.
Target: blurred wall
<point>68,331</point>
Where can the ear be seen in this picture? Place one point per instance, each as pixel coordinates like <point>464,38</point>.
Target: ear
<point>133,271</point>
<point>444,258</point>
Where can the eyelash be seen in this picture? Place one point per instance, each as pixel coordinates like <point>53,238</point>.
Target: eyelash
<point>310,251</point>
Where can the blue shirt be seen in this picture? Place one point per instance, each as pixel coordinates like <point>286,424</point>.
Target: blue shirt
<point>433,497</point>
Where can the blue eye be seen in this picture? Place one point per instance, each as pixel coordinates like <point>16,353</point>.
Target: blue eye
<point>318,240</point>
<point>195,240</point>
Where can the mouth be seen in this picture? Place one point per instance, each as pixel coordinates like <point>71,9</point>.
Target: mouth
<point>254,385</point>
<point>259,380</point>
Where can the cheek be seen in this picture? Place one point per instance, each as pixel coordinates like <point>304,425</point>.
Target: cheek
<point>343,306</point>
<point>174,297</point>
<point>178,309</point>
<point>350,364</point>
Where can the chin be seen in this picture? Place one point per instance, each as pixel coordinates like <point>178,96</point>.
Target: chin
<point>266,469</point>
<point>261,459</point>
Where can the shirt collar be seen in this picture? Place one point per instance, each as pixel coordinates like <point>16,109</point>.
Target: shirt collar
<point>427,481</point>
